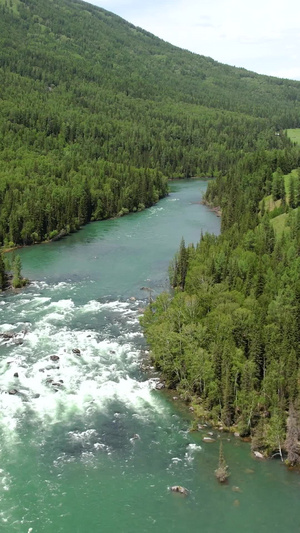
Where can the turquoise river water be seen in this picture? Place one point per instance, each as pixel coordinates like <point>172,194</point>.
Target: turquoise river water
<point>87,443</point>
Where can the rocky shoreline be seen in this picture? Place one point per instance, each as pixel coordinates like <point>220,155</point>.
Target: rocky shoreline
<point>215,209</point>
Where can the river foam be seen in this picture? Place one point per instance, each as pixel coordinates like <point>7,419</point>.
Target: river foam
<point>53,369</point>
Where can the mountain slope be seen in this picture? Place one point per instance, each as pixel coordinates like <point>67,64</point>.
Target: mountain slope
<point>94,112</point>
<point>103,48</point>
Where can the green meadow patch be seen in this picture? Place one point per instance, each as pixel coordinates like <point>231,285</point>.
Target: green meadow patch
<point>279,223</point>
<point>294,135</point>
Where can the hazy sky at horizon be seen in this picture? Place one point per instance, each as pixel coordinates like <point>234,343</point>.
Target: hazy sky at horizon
<point>263,36</point>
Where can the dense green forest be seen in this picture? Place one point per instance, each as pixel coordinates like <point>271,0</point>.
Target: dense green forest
<point>10,273</point>
<point>96,114</point>
<point>229,337</point>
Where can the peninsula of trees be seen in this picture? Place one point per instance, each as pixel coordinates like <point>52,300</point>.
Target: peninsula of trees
<point>228,339</point>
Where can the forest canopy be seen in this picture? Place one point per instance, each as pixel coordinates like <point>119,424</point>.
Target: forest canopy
<point>228,339</point>
<point>96,114</point>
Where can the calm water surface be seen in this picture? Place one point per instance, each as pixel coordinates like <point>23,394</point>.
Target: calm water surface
<point>87,444</point>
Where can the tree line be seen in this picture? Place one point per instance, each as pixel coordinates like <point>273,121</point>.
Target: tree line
<point>96,114</point>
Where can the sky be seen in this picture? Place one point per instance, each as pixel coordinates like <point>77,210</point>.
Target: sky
<point>260,35</point>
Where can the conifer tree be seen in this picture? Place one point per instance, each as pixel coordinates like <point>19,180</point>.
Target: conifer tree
<point>222,472</point>
<point>292,196</point>
<point>3,279</point>
<point>291,443</point>
<point>17,278</point>
<point>278,190</point>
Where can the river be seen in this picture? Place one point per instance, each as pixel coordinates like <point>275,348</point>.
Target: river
<point>87,443</point>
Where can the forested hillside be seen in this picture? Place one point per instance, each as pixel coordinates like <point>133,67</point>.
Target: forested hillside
<point>229,338</point>
<point>95,114</point>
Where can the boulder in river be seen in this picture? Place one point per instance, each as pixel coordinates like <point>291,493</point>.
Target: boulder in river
<point>54,357</point>
<point>135,437</point>
<point>16,375</point>
<point>76,351</point>
<point>258,455</point>
<point>180,489</point>
<point>160,386</point>
<point>13,392</point>
<point>208,439</point>
<point>8,335</point>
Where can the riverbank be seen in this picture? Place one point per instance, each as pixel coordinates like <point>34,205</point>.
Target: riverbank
<point>13,285</point>
<point>64,233</point>
<point>215,209</point>
<point>211,429</point>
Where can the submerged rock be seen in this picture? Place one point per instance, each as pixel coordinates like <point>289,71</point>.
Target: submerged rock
<point>7,335</point>
<point>18,342</point>
<point>135,437</point>
<point>208,439</point>
<point>54,357</point>
<point>180,489</point>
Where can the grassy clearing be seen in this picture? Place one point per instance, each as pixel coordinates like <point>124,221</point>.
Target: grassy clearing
<point>294,135</point>
<point>270,204</point>
<point>279,223</point>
